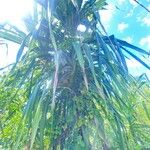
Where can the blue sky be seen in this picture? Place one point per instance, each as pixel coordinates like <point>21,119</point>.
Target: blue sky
<point>123,18</point>
<point>130,22</point>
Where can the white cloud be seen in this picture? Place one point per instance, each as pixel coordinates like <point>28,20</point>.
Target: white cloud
<point>136,68</point>
<point>128,39</point>
<point>133,3</point>
<point>148,7</point>
<point>122,26</point>
<point>130,13</point>
<point>145,42</point>
<point>106,15</point>
<point>120,2</point>
<point>131,63</point>
<point>146,20</point>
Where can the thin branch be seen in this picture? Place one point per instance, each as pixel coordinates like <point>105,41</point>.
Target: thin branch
<point>142,6</point>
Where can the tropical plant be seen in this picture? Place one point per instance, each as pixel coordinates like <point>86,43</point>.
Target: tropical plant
<point>69,89</point>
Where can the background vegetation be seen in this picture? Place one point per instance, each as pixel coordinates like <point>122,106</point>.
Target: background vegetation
<point>72,89</point>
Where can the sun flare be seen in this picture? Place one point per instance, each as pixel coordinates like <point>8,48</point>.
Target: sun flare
<point>14,10</point>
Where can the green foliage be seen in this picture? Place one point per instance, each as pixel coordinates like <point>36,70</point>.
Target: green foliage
<point>72,89</point>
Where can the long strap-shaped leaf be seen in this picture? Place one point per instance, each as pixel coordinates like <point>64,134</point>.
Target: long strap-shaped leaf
<point>77,47</point>
<point>115,46</point>
<point>124,43</point>
<point>35,124</point>
<point>137,58</point>
<point>10,37</point>
<point>87,51</point>
<point>13,34</point>
<point>20,51</point>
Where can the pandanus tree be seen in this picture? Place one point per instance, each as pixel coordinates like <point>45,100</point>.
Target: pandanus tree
<point>69,89</point>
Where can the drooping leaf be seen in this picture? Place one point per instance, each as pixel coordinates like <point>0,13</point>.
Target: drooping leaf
<point>77,47</point>
<point>137,58</point>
